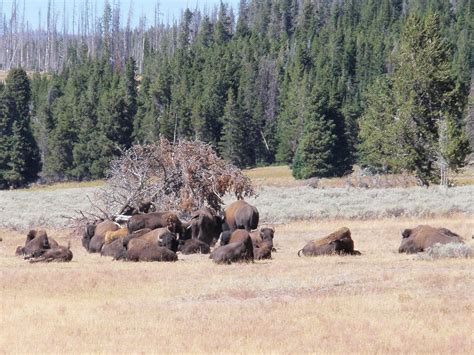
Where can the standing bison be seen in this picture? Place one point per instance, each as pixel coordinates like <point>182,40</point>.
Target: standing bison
<point>338,242</point>
<point>240,215</point>
<point>205,225</point>
<point>422,237</point>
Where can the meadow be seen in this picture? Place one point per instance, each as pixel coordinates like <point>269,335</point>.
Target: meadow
<point>379,302</point>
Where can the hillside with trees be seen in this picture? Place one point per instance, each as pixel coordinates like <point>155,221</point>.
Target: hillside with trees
<point>317,84</point>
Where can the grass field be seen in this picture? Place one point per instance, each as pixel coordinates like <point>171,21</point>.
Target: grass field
<point>380,302</point>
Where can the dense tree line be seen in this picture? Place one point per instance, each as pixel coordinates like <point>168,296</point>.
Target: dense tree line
<point>318,84</point>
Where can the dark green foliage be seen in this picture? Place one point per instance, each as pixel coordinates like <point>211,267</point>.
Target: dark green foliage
<point>317,147</point>
<point>415,124</point>
<point>233,146</point>
<point>320,85</point>
<point>19,154</point>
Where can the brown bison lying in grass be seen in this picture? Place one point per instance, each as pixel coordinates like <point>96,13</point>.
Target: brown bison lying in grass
<point>39,247</point>
<point>115,249</point>
<point>156,220</point>
<point>37,242</point>
<point>152,236</point>
<point>238,247</point>
<point>232,252</point>
<point>58,254</point>
<point>143,250</point>
<point>94,235</point>
<point>110,236</point>
<point>262,240</point>
<point>422,237</point>
<point>193,246</point>
<point>338,242</point>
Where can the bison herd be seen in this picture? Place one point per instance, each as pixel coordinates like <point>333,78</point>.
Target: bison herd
<point>234,237</point>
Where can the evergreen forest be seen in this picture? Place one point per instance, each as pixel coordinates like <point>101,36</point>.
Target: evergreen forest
<point>319,85</point>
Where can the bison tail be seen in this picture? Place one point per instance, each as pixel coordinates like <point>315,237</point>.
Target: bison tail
<point>299,252</point>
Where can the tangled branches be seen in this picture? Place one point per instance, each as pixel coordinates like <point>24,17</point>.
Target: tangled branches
<point>180,177</point>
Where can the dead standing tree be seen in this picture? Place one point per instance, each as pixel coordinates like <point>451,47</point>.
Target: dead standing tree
<point>180,177</point>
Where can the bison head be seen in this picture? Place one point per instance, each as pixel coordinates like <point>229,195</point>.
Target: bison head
<point>406,233</point>
<point>267,234</point>
<point>169,241</point>
<point>89,231</point>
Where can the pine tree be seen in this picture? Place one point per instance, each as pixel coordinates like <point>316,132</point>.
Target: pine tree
<point>234,139</point>
<point>130,86</point>
<point>378,148</point>
<point>425,97</point>
<point>23,159</point>
<point>315,154</point>
<point>6,106</point>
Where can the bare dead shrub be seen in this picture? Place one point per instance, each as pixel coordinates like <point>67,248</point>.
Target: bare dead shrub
<point>180,177</point>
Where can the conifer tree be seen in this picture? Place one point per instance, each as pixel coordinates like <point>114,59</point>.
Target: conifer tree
<point>315,153</point>
<point>425,97</point>
<point>234,138</point>
<point>23,159</point>
<point>6,106</point>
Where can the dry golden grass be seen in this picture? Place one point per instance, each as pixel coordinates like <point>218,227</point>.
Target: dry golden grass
<point>273,176</point>
<point>65,185</point>
<point>282,176</point>
<point>380,302</point>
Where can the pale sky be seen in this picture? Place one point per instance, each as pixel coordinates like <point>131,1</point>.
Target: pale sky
<point>169,9</point>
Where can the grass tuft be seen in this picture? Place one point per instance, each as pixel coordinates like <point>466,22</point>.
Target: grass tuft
<point>447,251</point>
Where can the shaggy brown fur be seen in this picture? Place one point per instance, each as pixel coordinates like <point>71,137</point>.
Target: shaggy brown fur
<point>36,244</point>
<point>114,249</point>
<point>205,225</point>
<point>338,242</point>
<point>418,239</point>
<point>232,252</point>
<point>194,246</point>
<point>152,236</point>
<point>110,236</point>
<point>142,250</point>
<point>263,251</point>
<point>94,235</point>
<point>260,235</point>
<point>240,215</point>
<point>155,220</point>
<point>58,254</point>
